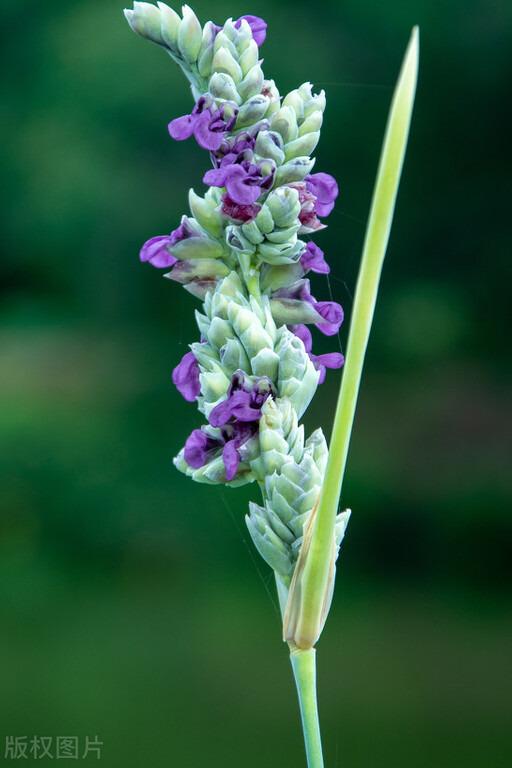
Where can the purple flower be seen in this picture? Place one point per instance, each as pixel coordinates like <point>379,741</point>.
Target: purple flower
<point>307,216</point>
<point>324,187</point>
<point>239,212</point>
<point>258,28</point>
<point>243,402</point>
<point>331,313</point>
<point>200,448</point>
<point>243,181</point>
<point>321,362</point>
<point>156,251</point>
<point>234,149</point>
<point>312,260</point>
<point>186,377</point>
<point>208,125</point>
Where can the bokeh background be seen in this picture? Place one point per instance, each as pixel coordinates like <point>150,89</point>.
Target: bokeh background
<point>132,603</point>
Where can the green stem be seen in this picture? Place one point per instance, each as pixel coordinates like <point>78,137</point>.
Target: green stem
<point>318,568</point>
<point>304,671</point>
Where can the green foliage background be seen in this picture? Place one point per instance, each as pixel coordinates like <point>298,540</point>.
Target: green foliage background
<point>132,604</point>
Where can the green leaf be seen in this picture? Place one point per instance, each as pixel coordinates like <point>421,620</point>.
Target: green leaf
<point>317,575</point>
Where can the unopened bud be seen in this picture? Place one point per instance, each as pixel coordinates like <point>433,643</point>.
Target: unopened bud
<point>190,35</point>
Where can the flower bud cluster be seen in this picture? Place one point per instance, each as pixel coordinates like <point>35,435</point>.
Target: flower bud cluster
<point>243,253</point>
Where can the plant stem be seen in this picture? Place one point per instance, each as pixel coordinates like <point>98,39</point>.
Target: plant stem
<point>318,570</point>
<point>304,671</point>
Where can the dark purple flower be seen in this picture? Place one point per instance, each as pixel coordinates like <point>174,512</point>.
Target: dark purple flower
<point>156,251</point>
<point>321,362</point>
<point>312,260</point>
<point>239,212</point>
<point>243,181</point>
<point>243,402</point>
<point>330,312</point>
<point>200,448</point>
<point>206,124</point>
<point>186,377</point>
<point>258,28</point>
<point>234,149</point>
<point>324,187</point>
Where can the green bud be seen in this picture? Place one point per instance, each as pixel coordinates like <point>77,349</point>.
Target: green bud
<point>296,102</point>
<point>312,123</point>
<point>238,242</point>
<point>273,278</point>
<point>284,205</point>
<point>145,20</point>
<point>233,356</point>
<point>249,57</point>
<point>190,35</point>
<point>223,40</point>
<point>206,213</point>
<point>251,84</point>
<point>219,332</point>
<point>286,236</point>
<point>269,144</point>
<point>223,61</point>
<point>214,384</point>
<point>315,104</point>
<point>265,363</point>
<point>297,378</point>
<point>275,253</point>
<point>264,220</point>
<point>222,86</point>
<point>205,355</point>
<point>250,332</point>
<point>293,312</point>
<point>252,232</point>
<point>302,146</point>
<point>284,121</point>
<point>269,88</point>
<point>198,269</point>
<point>271,548</point>
<point>294,170</point>
<point>169,25</point>
<point>197,248</point>
<point>242,35</point>
<point>252,111</point>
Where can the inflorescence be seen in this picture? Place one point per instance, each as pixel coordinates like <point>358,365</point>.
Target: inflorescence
<point>245,253</point>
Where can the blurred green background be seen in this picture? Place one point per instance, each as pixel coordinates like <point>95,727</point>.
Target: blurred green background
<point>132,604</point>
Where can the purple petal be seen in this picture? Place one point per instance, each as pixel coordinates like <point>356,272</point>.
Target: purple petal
<point>300,290</point>
<point>206,138</point>
<point>216,177</point>
<point>236,406</point>
<point>186,377</point>
<point>258,27</point>
<point>325,189</point>
<point>332,313</point>
<point>313,260</point>
<point>181,128</point>
<point>231,459</point>
<point>198,448</point>
<point>156,251</point>
<point>241,188</point>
